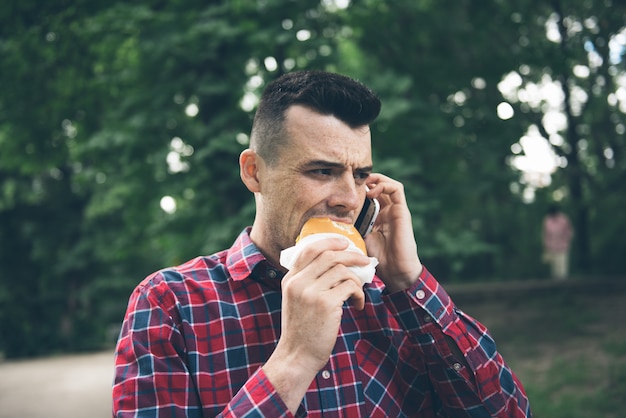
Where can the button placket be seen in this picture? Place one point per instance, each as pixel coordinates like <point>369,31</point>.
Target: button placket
<point>326,385</point>
<point>325,376</point>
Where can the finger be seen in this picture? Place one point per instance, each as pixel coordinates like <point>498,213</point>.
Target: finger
<point>314,250</point>
<point>323,272</point>
<point>350,289</point>
<point>329,269</point>
<point>326,292</point>
<point>385,188</point>
<point>325,254</point>
<point>344,282</point>
<point>337,275</point>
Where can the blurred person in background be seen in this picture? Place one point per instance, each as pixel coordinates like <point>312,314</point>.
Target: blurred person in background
<point>557,234</point>
<point>235,334</point>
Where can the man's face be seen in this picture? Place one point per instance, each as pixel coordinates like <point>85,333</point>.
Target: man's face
<point>321,172</point>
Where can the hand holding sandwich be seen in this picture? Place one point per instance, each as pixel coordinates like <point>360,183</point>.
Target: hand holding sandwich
<point>314,291</point>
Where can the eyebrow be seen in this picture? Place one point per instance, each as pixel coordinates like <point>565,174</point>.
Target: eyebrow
<point>332,164</point>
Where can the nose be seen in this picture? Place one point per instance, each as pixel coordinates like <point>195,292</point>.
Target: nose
<point>347,195</point>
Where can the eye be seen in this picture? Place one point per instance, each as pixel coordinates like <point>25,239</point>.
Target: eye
<point>361,176</point>
<point>322,172</point>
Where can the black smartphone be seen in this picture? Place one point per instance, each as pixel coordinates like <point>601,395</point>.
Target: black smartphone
<point>367,217</point>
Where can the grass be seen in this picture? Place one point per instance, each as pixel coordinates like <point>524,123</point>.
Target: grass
<point>568,349</point>
<point>577,389</point>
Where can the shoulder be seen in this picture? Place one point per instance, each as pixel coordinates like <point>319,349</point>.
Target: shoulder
<point>199,271</point>
<point>212,267</point>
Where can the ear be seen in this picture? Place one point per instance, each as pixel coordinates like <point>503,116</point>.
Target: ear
<point>249,166</point>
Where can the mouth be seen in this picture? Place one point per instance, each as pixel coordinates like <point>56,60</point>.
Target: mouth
<point>340,219</point>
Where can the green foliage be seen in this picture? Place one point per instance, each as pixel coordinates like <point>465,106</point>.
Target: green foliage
<point>94,102</point>
<point>107,107</point>
<point>454,54</point>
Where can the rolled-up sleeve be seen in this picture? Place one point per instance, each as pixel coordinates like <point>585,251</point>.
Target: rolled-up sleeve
<point>487,387</point>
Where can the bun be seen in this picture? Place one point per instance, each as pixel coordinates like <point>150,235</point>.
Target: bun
<point>316,229</point>
<point>326,225</point>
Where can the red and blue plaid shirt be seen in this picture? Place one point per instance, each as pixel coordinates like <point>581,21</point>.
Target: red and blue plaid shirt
<point>194,339</point>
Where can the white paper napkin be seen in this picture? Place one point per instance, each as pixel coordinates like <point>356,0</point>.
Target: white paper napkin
<point>289,255</point>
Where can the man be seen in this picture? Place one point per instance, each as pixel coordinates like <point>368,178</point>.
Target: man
<point>557,234</point>
<point>234,334</point>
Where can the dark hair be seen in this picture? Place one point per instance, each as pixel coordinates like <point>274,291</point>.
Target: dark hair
<point>553,209</point>
<point>326,93</point>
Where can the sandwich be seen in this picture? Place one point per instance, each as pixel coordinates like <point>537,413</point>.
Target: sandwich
<point>328,226</point>
<point>316,229</point>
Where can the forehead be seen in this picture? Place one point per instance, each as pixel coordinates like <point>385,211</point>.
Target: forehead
<point>313,136</point>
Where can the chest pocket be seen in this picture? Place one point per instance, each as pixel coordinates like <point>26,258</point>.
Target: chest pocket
<point>395,379</point>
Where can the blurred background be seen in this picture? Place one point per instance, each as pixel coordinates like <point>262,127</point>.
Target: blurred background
<point>121,124</point>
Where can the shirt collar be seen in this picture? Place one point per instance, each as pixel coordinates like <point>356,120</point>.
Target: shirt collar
<point>244,257</point>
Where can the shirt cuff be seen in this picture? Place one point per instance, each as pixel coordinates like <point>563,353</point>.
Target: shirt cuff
<point>258,398</point>
<point>427,294</point>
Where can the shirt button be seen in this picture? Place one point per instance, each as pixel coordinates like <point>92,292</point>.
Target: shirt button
<point>428,318</point>
<point>457,366</point>
<point>326,374</point>
<point>420,294</point>
<point>271,273</point>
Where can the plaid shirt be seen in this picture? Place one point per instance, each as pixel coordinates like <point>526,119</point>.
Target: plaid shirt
<point>194,339</point>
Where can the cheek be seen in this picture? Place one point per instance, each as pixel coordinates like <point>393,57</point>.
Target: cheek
<point>291,199</point>
<point>289,208</point>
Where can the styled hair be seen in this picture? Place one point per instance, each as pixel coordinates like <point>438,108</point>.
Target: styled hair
<point>325,93</point>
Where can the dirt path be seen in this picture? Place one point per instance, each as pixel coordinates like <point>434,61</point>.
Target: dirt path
<point>74,386</point>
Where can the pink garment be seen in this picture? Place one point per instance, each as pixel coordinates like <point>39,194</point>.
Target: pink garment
<point>557,233</point>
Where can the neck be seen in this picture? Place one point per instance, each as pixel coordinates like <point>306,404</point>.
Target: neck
<point>259,238</point>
